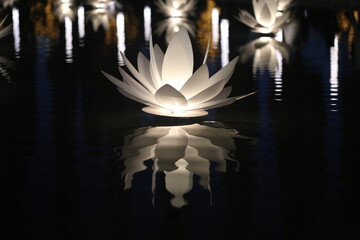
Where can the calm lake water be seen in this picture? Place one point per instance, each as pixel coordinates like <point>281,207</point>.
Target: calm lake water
<point>78,160</point>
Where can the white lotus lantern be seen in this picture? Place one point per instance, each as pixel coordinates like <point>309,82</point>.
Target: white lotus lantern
<point>264,51</point>
<point>176,8</point>
<point>64,9</point>
<point>167,85</point>
<point>8,3</point>
<point>101,14</point>
<point>6,30</point>
<point>179,153</point>
<point>267,17</point>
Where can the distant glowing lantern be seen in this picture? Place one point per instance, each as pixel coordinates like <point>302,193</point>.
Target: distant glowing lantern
<point>167,85</point>
<point>268,19</point>
<point>8,3</point>
<point>179,153</point>
<point>64,9</point>
<point>176,8</point>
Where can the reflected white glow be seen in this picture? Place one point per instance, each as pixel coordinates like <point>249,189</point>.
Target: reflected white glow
<point>81,24</point>
<point>178,153</point>
<point>268,55</point>
<point>278,76</point>
<point>147,23</point>
<point>68,40</point>
<point>63,9</point>
<point>334,71</point>
<point>224,27</point>
<point>120,33</point>
<point>176,8</point>
<point>172,25</point>
<point>279,35</point>
<point>16,31</point>
<point>215,26</point>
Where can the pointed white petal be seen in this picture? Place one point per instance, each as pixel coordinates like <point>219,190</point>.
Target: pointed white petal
<point>208,93</point>
<point>137,75</point>
<point>218,103</point>
<point>247,19</point>
<point>133,83</point>
<point>267,14</point>
<point>207,50</point>
<point>178,61</point>
<point>223,94</point>
<point>197,82</point>
<point>154,66</point>
<point>225,72</point>
<point>169,96</point>
<point>132,96</point>
<point>129,90</point>
<point>144,70</point>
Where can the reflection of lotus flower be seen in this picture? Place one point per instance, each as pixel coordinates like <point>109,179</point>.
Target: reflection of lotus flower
<point>63,9</point>
<point>267,18</point>
<point>172,25</point>
<point>168,85</point>
<point>179,152</point>
<point>102,13</point>
<point>264,50</point>
<point>4,31</point>
<point>176,8</point>
<point>8,3</point>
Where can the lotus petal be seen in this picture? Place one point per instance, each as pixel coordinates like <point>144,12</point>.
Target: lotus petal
<point>224,73</point>
<point>247,19</point>
<point>132,82</point>
<point>156,59</point>
<point>169,96</point>
<point>136,74</point>
<point>178,51</point>
<point>207,94</point>
<point>197,82</point>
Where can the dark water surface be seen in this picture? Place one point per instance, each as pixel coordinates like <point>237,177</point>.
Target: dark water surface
<point>80,161</point>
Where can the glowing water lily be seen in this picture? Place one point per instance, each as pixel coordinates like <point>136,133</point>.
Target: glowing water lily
<point>101,14</point>
<point>8,3</point>
<point>64,9</point>
<point>6,30</point>
<point>267,18</point>
<point>178,153</point>
<point>167,84</point>
<point>176,8</point>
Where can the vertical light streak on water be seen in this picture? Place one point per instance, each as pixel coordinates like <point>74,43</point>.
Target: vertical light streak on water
<point>147,23</point>
<point>120,33</point>
<point>333,145</point>
<point>224,29</point>
<point>68,41</point>
<point>81,25</point>
<point>266,196</point>
<point>334,71</point>
<point>215,27</point>
<point>278,76</point>
<point>16,31</point>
